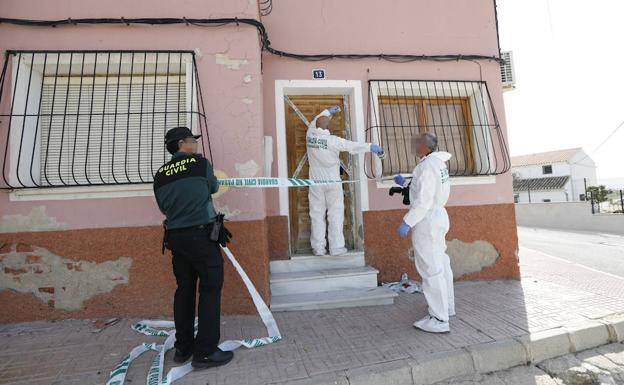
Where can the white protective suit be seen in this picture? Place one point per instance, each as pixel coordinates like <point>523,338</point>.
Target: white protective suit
<point>429,221</point>
<point>323,154</point>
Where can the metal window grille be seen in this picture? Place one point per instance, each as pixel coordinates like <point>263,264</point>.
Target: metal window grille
<point>460,113</point>
<point>79,118</point>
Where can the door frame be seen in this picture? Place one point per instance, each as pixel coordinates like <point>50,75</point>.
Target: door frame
<point>353,90</point>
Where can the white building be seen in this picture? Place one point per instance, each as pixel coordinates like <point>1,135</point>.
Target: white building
<point>554,176</point>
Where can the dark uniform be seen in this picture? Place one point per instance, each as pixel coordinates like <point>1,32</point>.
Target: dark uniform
<point>183,189</point>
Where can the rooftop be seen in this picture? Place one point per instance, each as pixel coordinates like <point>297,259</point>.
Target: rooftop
<point>546,183</point>
<point>544,157</point>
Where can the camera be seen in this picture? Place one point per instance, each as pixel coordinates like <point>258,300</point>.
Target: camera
<point>403,191</point>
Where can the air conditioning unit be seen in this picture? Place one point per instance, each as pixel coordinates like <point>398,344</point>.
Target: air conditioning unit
<point>508,75</point>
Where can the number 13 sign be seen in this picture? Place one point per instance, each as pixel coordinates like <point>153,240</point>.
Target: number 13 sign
<point>318,74</point>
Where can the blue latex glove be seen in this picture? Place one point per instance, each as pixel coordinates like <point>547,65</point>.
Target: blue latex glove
<point>399,179</point>
<point>334,109</point>
<point>376,149</point>
<point>404,229</point>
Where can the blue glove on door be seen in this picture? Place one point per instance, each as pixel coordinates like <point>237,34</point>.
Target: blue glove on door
<point>376,149</point>
<point>334,109</point>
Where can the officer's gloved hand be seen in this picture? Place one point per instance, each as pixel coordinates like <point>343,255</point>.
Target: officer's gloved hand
<point>376,149</point>
<point>334,109</point>
<point>404,229</point>
<point>399,179</point>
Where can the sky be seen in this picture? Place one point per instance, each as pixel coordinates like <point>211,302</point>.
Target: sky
<point>569,67</point>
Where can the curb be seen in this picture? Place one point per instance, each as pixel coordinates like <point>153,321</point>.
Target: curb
<point>480,358</point>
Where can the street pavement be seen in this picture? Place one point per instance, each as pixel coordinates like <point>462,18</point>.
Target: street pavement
<point>603,252</point>
<point>558,307</point>
<point>600,366</point>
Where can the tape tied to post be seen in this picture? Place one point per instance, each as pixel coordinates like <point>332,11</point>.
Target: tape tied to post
<point>163,328</point>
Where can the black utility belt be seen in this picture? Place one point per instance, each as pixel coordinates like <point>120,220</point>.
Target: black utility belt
<point>207,226</point>
<point>216,231</point>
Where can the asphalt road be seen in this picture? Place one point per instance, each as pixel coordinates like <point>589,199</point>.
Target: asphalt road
<point>598,251</point>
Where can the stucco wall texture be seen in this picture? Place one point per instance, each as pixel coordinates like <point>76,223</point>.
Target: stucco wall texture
<point>145,290</point>
<point>494,224</point>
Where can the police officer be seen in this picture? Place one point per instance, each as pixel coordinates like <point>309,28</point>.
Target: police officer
<point>183,188</point>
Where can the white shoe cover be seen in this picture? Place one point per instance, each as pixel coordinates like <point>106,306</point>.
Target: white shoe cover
<point>421,321</point>
<point>433,325</point>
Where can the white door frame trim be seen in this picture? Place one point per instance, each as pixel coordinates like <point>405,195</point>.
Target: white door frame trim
<point>352,88</point>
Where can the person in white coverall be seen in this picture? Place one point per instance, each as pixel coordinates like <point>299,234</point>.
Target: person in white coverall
<point>429,223</point>
<point>323,154</point>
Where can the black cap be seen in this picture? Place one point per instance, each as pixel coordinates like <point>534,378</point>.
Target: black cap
<point>179,133</point>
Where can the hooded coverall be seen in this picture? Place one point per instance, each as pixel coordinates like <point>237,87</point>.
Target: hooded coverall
<point>429,192</point>
<point>323,154</point>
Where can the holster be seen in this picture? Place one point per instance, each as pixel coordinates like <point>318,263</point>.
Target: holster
<point>216,227</point>
<point>219,233</point>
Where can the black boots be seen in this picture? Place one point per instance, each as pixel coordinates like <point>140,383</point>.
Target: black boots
<point>217,358</point>
<point>181,356</point>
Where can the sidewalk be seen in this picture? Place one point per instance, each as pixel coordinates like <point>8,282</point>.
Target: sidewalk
<point>562,306</point>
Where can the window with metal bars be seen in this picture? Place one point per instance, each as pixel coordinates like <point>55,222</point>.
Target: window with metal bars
<point>77,118</point>
<point>460,113</point>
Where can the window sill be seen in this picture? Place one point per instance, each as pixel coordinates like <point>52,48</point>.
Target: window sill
<point>455,181</point>
<point>146,190</point>
<point>82,192</point>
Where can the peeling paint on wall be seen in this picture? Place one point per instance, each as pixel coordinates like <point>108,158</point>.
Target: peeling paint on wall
<point>247,79</point>
<point>470,257</point>
<point>229,213</point>
<point>233,64</point>
<point>247,101</point>
<point>36,220</point>
<point>220,174</point>
<point>247,169</point>
<point>59,282</point>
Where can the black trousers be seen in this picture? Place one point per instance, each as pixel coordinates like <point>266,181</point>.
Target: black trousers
<point>195,257</point>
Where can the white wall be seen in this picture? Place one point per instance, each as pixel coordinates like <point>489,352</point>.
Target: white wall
<point>568,216</point>
<point>535,171</point>
<point>582,167</point>
<point>539,196</point>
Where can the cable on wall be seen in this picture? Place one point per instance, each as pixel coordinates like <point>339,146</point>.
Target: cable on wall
<point>264,37</point>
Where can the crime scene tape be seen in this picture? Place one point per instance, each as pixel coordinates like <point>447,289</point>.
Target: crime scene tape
<point>153,328</point>
<point>264,182</point>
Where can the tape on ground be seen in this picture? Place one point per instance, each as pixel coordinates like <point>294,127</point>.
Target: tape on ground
<point>155,328</point>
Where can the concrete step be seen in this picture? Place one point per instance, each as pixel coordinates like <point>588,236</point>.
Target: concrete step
<point>311,262</point>
<point>318,281</point>
<point>333,299</point>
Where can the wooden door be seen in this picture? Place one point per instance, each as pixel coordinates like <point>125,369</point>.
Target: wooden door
<point>310,106</point>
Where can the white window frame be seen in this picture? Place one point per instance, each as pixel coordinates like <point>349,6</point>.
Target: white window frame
<point>475,102</point>
<point>23,62</point>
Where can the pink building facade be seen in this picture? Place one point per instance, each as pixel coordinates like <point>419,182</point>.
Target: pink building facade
<point>76,245</point>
